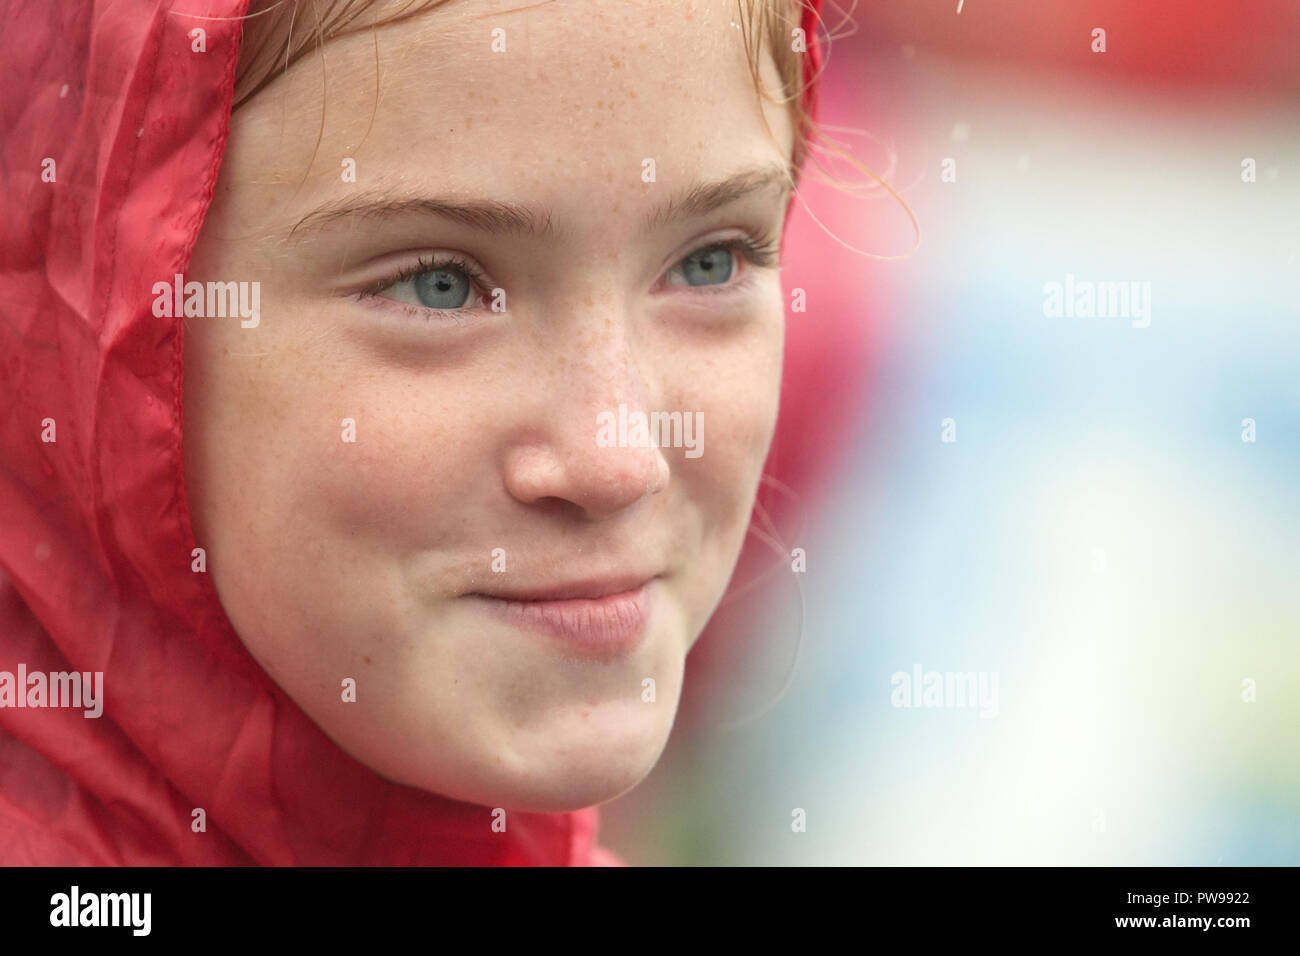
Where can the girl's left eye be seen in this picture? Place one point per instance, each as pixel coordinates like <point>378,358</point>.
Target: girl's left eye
<point>713,265</point>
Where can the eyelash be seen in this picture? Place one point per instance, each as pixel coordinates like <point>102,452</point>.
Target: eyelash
<point>421,266</point>
<point>762,252</point>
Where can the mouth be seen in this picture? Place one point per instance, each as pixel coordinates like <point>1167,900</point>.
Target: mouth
<point>596,617</point>
<point>588,589</point>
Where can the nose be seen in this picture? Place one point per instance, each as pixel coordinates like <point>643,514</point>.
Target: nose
<point>570,458</point>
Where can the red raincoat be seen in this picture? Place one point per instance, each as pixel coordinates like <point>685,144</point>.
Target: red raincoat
<point>111,136</point>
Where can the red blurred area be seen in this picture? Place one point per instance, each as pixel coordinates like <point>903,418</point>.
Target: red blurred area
<point>1170,43</point>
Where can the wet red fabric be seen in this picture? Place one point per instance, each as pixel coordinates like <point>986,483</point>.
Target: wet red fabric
<point>113,131</point>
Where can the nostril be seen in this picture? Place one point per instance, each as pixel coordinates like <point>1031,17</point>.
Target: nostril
<point>662,473</point>
<point>556,507</point>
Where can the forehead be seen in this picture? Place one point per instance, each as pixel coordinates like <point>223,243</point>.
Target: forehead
<point>569,101</point>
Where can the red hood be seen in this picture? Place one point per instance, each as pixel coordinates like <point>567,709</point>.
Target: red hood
<point>95,536</point>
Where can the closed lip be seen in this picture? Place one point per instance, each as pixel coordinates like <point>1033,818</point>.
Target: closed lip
<point>597,617</point>
<point>584,588</point>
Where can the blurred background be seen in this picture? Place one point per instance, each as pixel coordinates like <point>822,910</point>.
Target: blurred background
<point>1073,509</point>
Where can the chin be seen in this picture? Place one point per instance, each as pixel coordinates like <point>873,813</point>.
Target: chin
<point>574,768</point>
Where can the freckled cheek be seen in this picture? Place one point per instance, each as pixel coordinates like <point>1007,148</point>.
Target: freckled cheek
<point>409,477</point>
<point>737,390</point>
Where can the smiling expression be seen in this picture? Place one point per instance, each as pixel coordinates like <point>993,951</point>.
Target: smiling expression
<point>396,474</point>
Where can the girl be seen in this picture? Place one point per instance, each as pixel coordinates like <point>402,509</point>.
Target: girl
<point>477,321</point>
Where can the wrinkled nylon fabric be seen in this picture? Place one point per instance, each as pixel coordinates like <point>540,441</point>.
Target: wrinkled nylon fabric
<point>95,536</point>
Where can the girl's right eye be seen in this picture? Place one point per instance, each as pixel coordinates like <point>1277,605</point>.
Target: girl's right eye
<point>443,285</point>
<point>443,288</point>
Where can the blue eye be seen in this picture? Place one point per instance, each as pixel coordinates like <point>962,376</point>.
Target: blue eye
<point>449,285</point>
<point>714,264</point>
<point>711,266</point>
<point>442,288</point>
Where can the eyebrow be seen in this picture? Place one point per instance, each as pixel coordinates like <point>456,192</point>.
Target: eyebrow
<point>518,219</point>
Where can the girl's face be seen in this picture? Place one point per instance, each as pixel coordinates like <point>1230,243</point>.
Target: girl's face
<point>381,464</point>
